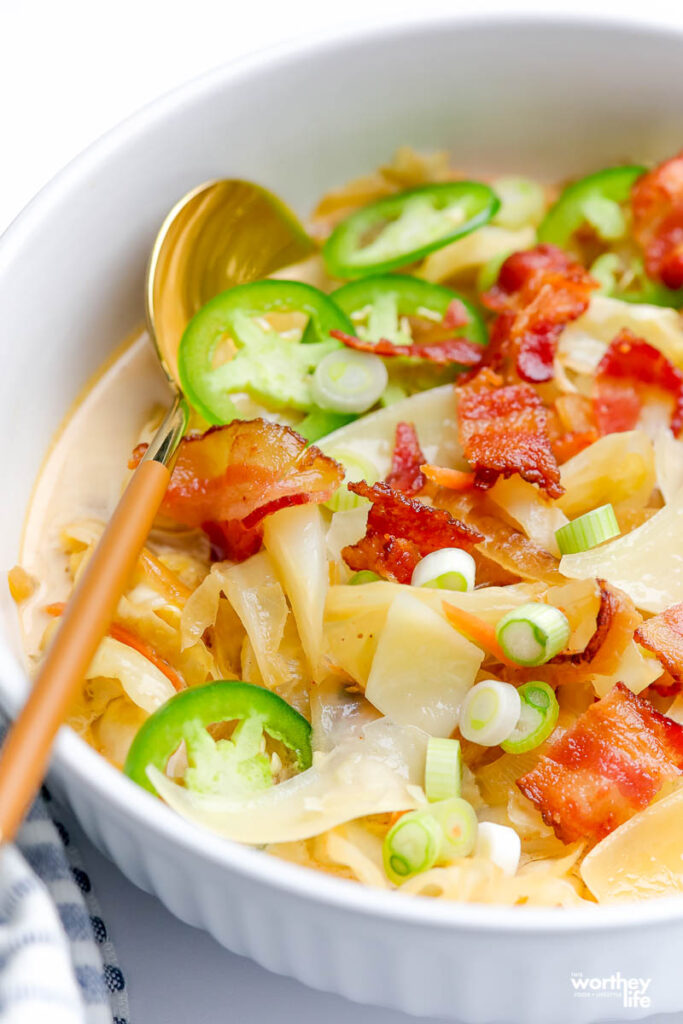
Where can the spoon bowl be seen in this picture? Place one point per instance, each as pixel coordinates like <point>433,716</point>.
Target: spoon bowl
<point>221,234</point>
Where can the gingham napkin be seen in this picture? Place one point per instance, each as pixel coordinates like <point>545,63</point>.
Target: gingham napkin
<point>57,965</point>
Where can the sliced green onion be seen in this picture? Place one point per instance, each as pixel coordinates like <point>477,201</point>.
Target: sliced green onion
<point>533,634</point>
<point>364,576</point>
<point>446,569</point>
<point>537,719</point>
<point>458,822</point>
<point>500,844</point>
<point>443,769</point>
<point>412,845</point>
<point>522,201</point>
<point>490,712</point>
<point>348,381</point>
<point>587,531</point>
<point>606,270</point>
<point>605,216</point>
<point>356,468</point>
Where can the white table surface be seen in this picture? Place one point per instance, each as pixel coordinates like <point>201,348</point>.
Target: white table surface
<point>68,71</point>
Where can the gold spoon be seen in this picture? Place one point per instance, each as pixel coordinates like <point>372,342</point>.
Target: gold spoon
<point>220,234</point>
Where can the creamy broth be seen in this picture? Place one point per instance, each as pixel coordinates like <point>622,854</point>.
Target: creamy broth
<point>84,471</point>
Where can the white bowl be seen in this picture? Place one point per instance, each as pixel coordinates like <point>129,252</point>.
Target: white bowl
<point>548,97</point>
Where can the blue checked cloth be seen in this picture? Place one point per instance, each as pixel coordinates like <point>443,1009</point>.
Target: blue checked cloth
<point>57,964</point>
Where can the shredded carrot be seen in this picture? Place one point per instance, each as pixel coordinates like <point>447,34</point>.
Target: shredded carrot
<point>156,571</point>
<point>55,609</point>
<point>452,479</point>
<point>477,630</point>
<point>126,636</point>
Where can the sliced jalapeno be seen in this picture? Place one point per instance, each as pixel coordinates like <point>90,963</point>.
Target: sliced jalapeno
<point>274,368</point>
<point>401,229</point>
<point>186,716</point>
<point>596,200</point>
<point>377,306</point>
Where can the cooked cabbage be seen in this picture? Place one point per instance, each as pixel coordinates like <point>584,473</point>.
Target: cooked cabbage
<point>295,540</point>
<point>659,325</point>
<point>143,682</point>
<point>641,858</point>
<point>434,416</point>
<point>255,593</point>
<point>646,563</point>
<point>375,774</point>
<point>475,249</point>
<point>531,510</point>
<point>617,468</point>
<point>422,668</point>
<point>668,464</point>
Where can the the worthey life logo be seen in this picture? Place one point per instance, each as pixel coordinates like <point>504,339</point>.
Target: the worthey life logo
<point>634,992</point>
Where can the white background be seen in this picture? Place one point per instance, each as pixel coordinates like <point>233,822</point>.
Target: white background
<point>69,70</point>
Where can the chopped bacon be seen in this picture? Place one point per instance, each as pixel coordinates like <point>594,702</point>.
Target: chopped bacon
<point>626,377</point>
<point>571,426</point>
<point>245,471</point>
<point>406,474</point>
<point>657,204</point>
<point>233,540</point>
<point>393,558</point>
<point>456,315</point>
<point>450,350</point>
<point>611,763</point>
<point>538,292</point>
<point>663,635</point>
<point>616,620</point>
<point>665,686</point>
<point>569,445</point>
<point>400,531</point>
<point>504,431</point>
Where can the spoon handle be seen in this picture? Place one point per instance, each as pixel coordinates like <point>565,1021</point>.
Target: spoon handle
<point>26,751</point>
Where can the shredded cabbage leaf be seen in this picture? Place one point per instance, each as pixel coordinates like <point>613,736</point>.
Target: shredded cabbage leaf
<point>646,563</point>
<point>380,772</point>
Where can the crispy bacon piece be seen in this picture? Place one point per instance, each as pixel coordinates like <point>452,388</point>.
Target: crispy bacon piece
<point>616,620</point>
<point>393,558</point>
<point>630,373</point>
<point>245,471</point>
<point>232,539</point>
<point>538,292</point>
<point>450,350</point>
<point>611,763</point>
<point>406,474</point>
<point>663,635</point>
<point>503,431</point>
<point>400,531</point>
<point>569,445</point>
<point>665,686</point>
<point>657,204</point>
<point>571,426</point>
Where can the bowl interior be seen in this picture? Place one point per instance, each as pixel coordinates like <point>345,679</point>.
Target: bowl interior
<point>548,98</point>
